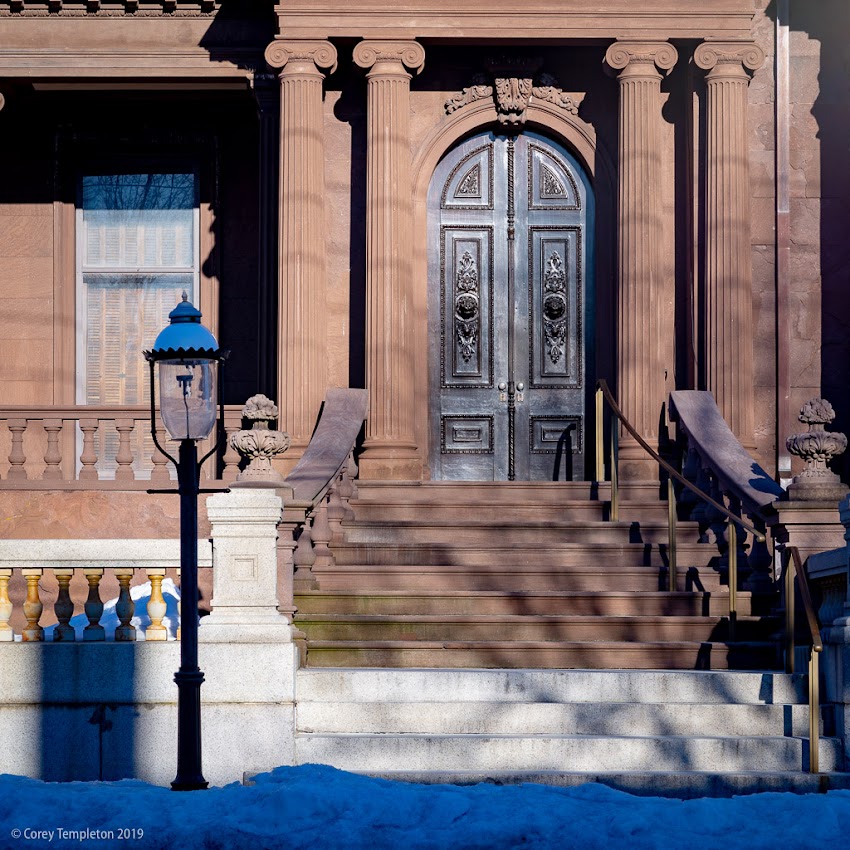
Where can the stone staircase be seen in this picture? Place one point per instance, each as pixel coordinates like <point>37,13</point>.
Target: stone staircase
<point>683,733</point>
<point>477,589</point>
<point>520,575</point>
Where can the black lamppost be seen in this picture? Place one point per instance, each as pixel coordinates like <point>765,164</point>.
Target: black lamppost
<point>189,397</point>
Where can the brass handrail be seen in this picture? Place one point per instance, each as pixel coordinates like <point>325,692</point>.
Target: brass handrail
<point>603,391</point>
<point>791,555</point>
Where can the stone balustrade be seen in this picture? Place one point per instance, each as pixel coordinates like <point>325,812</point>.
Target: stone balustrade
<point>91,447</point>
<point>48,568</point>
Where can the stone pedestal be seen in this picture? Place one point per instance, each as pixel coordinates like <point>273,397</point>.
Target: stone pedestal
<point>811,526</point>
<point>390,445</point>
<point>244,602</point>
<point>640,367</point>
<point>302,271</point>
<point>728,252</point>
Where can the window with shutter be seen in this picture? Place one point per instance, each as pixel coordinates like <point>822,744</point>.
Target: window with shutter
<point>137,252</point>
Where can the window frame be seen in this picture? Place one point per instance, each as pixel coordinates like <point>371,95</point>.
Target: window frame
<point>80,311</point>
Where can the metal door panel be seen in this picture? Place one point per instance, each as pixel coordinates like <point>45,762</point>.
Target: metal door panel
<point>508,225</point>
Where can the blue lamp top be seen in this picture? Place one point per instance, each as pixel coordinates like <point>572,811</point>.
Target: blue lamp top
<point>185,336</point>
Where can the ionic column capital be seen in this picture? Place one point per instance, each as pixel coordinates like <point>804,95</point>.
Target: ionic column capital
<point>390,57</point>
<point>634,58</point>
<point>729,58</point>
<point>297,52</point>
<point>2,101</point>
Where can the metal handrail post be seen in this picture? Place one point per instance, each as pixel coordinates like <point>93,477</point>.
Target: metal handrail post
<point>790,650</point>
<point>615,471</point>
<point>814,711</point>
<point>733,579</point>
<point>600,438</point>
<point>671,536</point>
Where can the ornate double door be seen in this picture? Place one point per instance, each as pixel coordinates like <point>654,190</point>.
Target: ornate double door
<point>508,256</point>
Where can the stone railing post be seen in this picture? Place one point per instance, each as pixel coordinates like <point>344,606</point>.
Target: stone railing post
<point>728,252</point>
<point>390,445</point>
<point>244,600</point>
<point>302,271</point>
<point>640,363</point>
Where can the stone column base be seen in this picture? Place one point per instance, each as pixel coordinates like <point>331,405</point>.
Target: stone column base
<point>380,463</point>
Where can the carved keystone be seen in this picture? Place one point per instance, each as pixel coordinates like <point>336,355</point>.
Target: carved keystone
<point>817,447</point>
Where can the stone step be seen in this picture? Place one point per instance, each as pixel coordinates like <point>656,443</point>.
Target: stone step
<point>552,686</point>
<point>591,753</point>
<point>529,628</point>
<point>599,554</point>
<point>472,532</point>
<point>497,717</point>
<point>631,655</point>
<point>505,573</point>
<point>486,492</point>
<point>682,785</point>
<point>601,603</point>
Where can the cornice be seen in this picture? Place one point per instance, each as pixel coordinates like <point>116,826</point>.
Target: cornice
<point>538,19</point>
<point>99,9</point>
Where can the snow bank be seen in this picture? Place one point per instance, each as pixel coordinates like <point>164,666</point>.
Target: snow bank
<point>317,807</point>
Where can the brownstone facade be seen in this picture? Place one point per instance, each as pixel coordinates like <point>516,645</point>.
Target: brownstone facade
<point>719,259</point>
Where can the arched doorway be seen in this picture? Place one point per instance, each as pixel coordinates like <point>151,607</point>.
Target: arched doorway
<point>509,255</point>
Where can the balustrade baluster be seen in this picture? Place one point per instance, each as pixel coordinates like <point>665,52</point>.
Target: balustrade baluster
<point>94,606</point>
<point>6,633</point>
<point>125,608</point>
<point>88,456</point>
<point>688,500</point>
<point>347,489</point>
<point>156,606</point>
<point>322,536</point>
<point>124,458</point>
<point>741,540</point>
<point>761,562</point>
<point>52,455</point>
<point>304,558</point>
<point>33,607</point>
<point>17,457</point>
<point>336,510</point>
<point>64,607</point>
<point>159,473</point>
<point>231,456</point>
<point>352,470</point>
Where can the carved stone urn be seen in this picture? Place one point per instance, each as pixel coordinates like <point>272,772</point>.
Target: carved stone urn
<point>817,447</point>
<point>259,444</point>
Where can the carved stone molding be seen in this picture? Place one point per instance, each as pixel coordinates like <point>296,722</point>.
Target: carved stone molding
<point>321,53</point>
<point>408,54</point>
<point>513,94</point>
<point>660,56</point>
<point>729,57</point>
<point>95,9</point>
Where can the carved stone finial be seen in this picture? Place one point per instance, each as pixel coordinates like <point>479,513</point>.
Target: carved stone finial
<point>259,444</point>
<point>817,447</point>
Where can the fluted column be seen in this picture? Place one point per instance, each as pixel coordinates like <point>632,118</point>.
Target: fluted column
<point>302,271</point>
<point>640,378</point>
<point>390,447</point>
<point>728,254</point>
